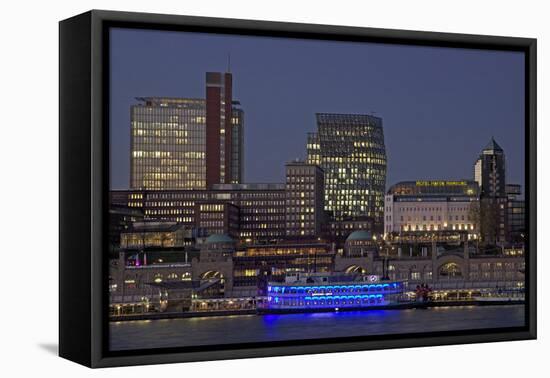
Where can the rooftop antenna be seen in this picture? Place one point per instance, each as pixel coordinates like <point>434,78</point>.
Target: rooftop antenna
<point>229,62</point>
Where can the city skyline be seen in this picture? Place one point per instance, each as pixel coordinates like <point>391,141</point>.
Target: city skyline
<point>390,198</point>
<point>274,117</point>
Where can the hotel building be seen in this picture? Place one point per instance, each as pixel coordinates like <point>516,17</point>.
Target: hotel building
<point>350,149</point>
<point>432,206</point>
<point>450,272</point>
<point>254,265</point>
<point>186,143</point>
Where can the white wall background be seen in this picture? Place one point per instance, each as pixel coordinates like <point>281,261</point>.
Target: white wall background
<point>29,186</point>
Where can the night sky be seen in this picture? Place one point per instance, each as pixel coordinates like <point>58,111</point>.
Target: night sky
<point>439,106</point>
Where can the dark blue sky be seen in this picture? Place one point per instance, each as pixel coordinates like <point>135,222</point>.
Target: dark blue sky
<point>439,106</point>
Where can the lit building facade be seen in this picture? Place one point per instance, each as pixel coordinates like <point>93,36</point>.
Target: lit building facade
<point>155,234</point>
<point>261,207</point>
<point>131,287</point>
<point>168,146</point>
<point>217,217</point>
<point>304,199</point>
<point>237,140</point>
<point>188,143</point>
<point>446,267</point>
<point>351,151</point>
<point>255,265</point>
<point>121,219</point>
<point>432,206</point>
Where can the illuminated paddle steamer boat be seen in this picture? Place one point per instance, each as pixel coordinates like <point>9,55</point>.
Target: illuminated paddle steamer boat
<point>330,292</point>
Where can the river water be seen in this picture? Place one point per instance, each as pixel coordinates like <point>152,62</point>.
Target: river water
<point>164,333</point>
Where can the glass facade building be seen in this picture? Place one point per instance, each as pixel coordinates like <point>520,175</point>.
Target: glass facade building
<point>350,149</point>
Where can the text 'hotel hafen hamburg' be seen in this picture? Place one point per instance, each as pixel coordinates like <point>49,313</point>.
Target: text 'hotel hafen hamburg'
<point>192,235</point>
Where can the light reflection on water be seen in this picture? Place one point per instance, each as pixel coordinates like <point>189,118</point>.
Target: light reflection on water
<point>254,328</point>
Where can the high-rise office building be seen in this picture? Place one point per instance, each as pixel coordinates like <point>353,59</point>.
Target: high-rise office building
<point>304,199</point>
<point>186,143</point>
<point>490,171</point>
<point>237,140</point>
<point>490,174</point>
<point>218,128</point>
<point>350,149</point>
<point>168,144</point>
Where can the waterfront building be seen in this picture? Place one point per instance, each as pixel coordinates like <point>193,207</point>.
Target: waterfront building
<point>432,207</point>
<point>141,235</point>
<point>167,279</point>
<point>304,214</point>
<point>255,265</point>
<point>446,267</point>
<point>490,174</point>
<point>350,149</point>
<point>222,272</point>
<point>187,143</point>
<point>121,218</point>
<point>214,266</point>
<point>130,283</point>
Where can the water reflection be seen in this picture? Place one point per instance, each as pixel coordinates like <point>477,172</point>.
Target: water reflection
<point>253,328</point>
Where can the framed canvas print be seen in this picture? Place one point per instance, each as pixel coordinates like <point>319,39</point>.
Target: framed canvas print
<point>233,188</point>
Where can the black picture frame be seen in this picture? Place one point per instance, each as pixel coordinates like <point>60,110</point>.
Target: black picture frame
<point>83,167</point>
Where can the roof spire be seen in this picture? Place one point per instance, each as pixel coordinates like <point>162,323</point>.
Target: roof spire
<point>493,146</point>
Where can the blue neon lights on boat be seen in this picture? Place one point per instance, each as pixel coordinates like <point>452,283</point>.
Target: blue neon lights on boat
<point>345,294</point>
